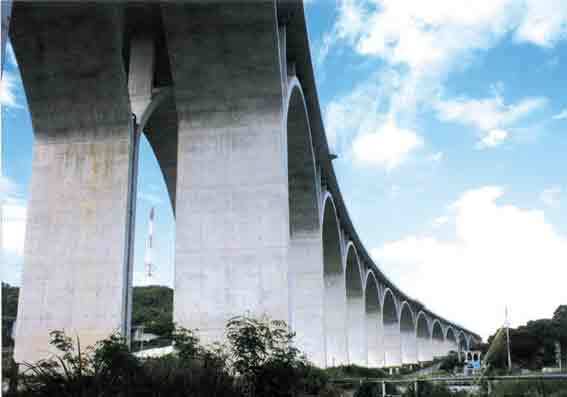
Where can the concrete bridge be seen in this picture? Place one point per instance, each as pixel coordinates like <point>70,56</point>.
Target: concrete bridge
<point>226,96</point>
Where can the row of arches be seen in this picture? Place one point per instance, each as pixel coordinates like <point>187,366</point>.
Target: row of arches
<point>362,321</point>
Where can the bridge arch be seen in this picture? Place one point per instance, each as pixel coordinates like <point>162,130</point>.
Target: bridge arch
<point>373,313</point>
<point>159,125</point>
<point>437,339</point>
<point>424,351</point>
<point>451,340</point>
<point>335,291</point>
<point>462,342</point>
<point>306,297</point>
<point>391,328</point>
<point>407,334</point>
<point>356,332</point>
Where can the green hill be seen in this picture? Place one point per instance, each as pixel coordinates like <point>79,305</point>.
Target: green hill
<point>152,308</point>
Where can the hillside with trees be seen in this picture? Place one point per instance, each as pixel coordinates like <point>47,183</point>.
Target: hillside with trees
<point>532,345</point>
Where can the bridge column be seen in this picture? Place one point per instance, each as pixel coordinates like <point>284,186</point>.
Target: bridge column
<point>232,225</point>
<point>76,270</point>
<point>392,336</point>
<point>374,334</point>
<point>408,335</point>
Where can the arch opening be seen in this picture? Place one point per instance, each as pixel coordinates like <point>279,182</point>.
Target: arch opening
<point>335,294</point>
<point>451,341</point>
<point>408,335</point>
<point>424,348</point>
<point>306,297</point>
<point>391,329</point>
<point>373,313</point>
<point>356,332</point>
<point>437,339</point>
<point>462,344</point>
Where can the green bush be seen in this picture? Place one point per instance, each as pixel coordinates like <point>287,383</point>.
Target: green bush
<point>368,389</point>
<point>259,357</point>
<point>429,389</point>
<point>355,371</point>
<point>530,388</point>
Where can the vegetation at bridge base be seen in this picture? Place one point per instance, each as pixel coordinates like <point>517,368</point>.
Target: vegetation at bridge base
<point>258,359</point>
<point>355,371</point>
<point>528,388</point>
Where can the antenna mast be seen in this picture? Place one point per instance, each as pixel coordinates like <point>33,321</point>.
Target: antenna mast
<point>149,246</point>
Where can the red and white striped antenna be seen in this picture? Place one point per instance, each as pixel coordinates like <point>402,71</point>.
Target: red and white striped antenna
<point>148,260</point>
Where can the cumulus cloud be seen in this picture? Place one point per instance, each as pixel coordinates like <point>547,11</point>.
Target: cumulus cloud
<point>489,115</point>
<point>561,115</point>
<point>7,90</point>
<point>13,214</point>
<point>550,196</point>
<point>388,147</point>
<point>499,254</point>
<point>424,41</point>
<point>436,157</point>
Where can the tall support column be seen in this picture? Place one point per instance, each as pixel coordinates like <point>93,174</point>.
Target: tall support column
<point>77,235</point>
<point>392,345</point>
<point>232,225</point>
<point>392,335</point>
<point>374,336</point>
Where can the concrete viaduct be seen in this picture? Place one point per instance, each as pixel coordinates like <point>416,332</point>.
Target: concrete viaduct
<point>226,96</point>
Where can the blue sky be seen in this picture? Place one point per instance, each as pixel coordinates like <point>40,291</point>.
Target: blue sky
<point>450,122</point>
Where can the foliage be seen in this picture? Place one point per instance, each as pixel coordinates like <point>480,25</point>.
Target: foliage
<point>532,345</point>
<point>450,362</point>
<point>429,389</point>
<point>355,371</point>
<point>152,307</point>
<point>9,311</point>
<point>530,388</point>
<point>371,389</point>
<point>260,356</point>
<point>262,351</point>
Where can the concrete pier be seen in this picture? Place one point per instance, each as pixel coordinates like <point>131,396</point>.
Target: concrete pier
<point>76,250</point>
<point>232,226</point>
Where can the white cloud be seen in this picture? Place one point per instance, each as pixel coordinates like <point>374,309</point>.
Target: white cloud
<point>544,22</point>
<point>500,255</point>
<point>7,88</point>
<point>493,138</point>
<point>424,41</point>
<point>550,196</point>
<point>10,55</point>
<point>151,197</point>
<point>13,227</point>
<point>561,115</point>
<point>489,115</point>
<point>440,221</point>
<point>13,215</point>
<point>388,147</point>
<point>436,157</point>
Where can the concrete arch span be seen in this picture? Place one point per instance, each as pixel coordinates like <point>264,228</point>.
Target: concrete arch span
<point>305,245</point>
<point>373,313</point>
<point>408,334</point>
<point>437,339</point>
<point>424,340</point>
<point>335,295</point>
<point>462,343</point>
<point>356,326</point>
<point>451,340</point>
<point>391,328</point>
